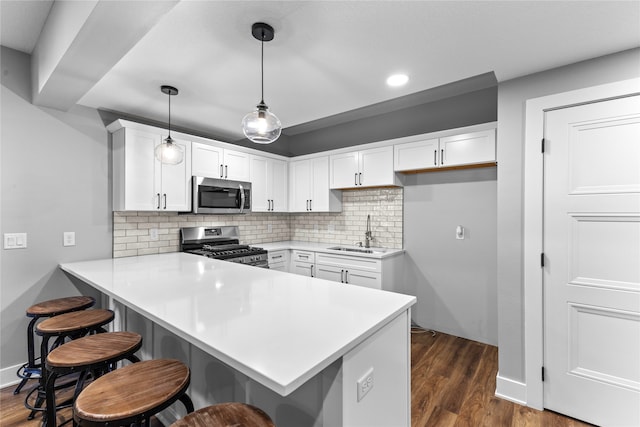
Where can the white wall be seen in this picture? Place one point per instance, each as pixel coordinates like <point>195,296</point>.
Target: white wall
<point>512,96</point>
<point>454,280</point>
<point>54,177</point>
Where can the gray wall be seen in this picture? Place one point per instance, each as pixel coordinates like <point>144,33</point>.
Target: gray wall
<point>512,96</point>
<point>454,280</point>
<point>54,177</point>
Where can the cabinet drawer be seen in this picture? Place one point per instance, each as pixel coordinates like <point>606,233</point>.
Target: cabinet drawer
<point>278,256</point>
<point>350,262</point>
<point>303,256</point>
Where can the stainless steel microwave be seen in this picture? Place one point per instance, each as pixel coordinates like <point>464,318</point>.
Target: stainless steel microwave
<point>220,196</point>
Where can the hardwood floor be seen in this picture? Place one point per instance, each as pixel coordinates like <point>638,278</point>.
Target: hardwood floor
<point>453,382</point>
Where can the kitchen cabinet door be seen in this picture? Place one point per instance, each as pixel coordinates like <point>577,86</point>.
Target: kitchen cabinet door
<point>309,187</point>
<point>236,165</point>
<point>363,278</point>
<point>175,181</point>
<point>376,167</point>
<point>302,268</point>
<point>300,180</point>
<point>359,169</point>
<point>469,148</point>
<point>268,185</point>
<point>335,274</point>
<point>143,183</point>
<point>206,160</point>
<point>419,155</point>
<point>344,170</point>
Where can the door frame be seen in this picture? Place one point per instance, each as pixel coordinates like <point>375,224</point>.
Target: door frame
<point>535,110</point>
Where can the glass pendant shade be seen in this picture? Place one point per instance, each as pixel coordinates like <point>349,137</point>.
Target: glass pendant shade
<point>169,152</point>
<point>261,126</point>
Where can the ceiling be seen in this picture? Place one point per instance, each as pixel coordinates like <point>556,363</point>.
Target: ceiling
<point>327,58</point>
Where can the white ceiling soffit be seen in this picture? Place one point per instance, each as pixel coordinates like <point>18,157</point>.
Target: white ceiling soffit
<point>327,58</point>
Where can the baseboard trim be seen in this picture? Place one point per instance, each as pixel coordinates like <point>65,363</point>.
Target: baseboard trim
<point>514,391</point>
<point>8,376</point>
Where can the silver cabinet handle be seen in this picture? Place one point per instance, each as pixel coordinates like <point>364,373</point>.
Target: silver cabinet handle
<point>303,256</point>
<point>355,178</point>
<point>276,256</point>
<point>435,155</point>
<point>312,270</point>
<point>341,276</point>
<point>158,200</point>
<point>165,200</point>
<point>360,178</point>
<point>442,157</point>
<point>311,204</point>
<point>226,171</point>
<point>346,276</point>
<point>221,174</point>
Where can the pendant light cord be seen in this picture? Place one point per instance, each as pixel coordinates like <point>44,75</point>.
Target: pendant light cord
<point>169,115</point>
<point>262,67</point>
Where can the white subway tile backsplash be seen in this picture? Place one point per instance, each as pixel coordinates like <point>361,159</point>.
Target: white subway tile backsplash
<point>131,230</point>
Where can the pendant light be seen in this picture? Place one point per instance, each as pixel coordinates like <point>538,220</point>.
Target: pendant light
<point>168,152</point>
<point>262,126</point>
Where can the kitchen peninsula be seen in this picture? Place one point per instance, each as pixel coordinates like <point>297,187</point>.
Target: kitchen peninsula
<point>310,352</point>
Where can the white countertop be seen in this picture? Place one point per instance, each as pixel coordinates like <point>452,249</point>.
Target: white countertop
<point>325,247</point>
<point>279,329</point>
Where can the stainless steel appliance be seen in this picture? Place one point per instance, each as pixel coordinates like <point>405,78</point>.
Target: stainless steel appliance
<point>221,242</point>
<point>220,196</point>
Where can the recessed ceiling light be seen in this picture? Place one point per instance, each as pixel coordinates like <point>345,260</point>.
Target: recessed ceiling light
<point>397,80</point>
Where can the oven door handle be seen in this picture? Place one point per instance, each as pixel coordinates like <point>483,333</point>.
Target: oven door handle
<point>242,198</point>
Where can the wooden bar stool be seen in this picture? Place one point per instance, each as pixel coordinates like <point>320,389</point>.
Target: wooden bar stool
<point>225,415</point>
<point>95,354</point>
<point>65,326</point>
<point>50,308</point>
<point>132,394</point>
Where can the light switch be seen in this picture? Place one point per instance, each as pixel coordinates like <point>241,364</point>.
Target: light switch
<point>69,238</point>
<point>460,232</point>
<point>15,240</point>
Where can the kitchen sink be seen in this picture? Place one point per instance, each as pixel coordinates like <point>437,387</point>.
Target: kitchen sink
<point>360,250</point>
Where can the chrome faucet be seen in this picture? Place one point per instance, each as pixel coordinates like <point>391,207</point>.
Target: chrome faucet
<point>367,235</point>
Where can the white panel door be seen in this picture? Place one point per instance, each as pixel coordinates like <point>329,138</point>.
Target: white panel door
<point>140,171</point>
<point>176,181</point>
<point>592,262</point>
<point>319,190</point>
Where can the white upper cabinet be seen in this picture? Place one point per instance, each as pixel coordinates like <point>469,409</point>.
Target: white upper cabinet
<point>143,183</point>
<point>268,184</point>
<point>309,187</point>
<point>215,162</point>
<point>468,149</point>
<point>417,155</point>
<point>366,168</point>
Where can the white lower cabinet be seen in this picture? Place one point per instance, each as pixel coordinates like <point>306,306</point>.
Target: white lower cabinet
<point>303,263</point>
<point>279,260</point>
<point>361,271</point>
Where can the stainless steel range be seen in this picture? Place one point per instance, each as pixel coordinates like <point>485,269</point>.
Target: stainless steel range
<point>222,243</point>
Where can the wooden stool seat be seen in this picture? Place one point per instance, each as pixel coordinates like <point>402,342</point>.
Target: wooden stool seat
<point>67,323</point>
<point>94,349</point>
<point>133,393</point>
<point>54,307</point>
<point>59,306</point>
<point>225,415</point>
<point>93,354</point>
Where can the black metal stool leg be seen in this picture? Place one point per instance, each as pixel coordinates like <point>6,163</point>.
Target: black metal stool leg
<point>31,368</point>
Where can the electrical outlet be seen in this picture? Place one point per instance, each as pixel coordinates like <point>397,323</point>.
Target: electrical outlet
<point>69,238</point>
<point>153,234</point>
<point>269,228</point>
<point>315,227</point>
<point>331,228</point>
<point>365,384</point>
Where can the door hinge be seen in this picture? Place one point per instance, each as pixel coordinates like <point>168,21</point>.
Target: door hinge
<point>543,141</point>
<point>542,259</point>
<point>542,373</point>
